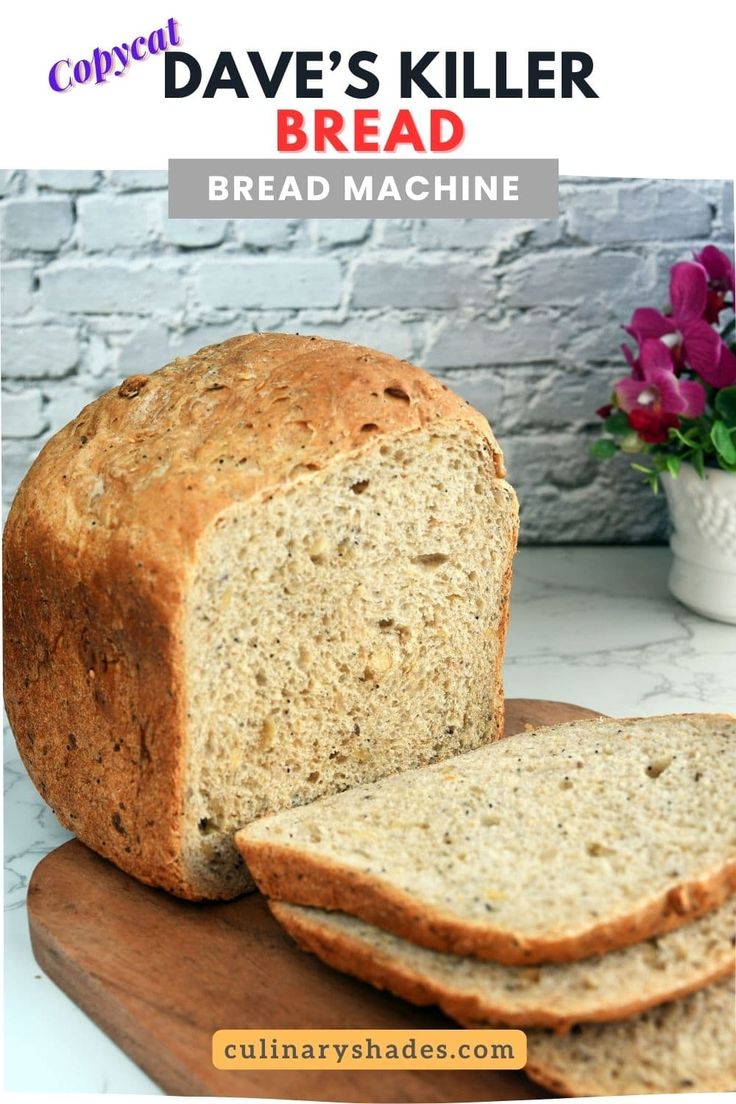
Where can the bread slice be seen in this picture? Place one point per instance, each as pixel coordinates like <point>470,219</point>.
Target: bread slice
<point>606,987</point>
<point>683,1047</point>
<point>548,846</point>
<point>270,571</point>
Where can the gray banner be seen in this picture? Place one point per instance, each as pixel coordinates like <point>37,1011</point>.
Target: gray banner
<point>315,188</point>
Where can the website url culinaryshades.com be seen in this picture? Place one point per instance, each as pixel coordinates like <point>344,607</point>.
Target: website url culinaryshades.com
<point>361,1049</point>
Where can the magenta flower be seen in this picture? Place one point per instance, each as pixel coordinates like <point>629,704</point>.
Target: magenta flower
<point>632,361</point>
<point>659,391</point>
<point>686,331</point>
<point>676,402</point>
<point>720,280</point>
<point>718,267</point>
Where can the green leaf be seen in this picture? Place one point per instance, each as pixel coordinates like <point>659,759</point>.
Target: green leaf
<point>698,462</point>
<point>688,439</point>
<point>725,404</point>
<point>673,465</point>
<point>650,476</point>
<point>617,423</point>
<point>722,438</point>
<point>604,449</point>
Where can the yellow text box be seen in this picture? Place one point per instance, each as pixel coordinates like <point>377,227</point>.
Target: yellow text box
<point>262,1049</point>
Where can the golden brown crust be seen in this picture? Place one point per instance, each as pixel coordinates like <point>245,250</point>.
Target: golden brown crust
<point>93,695</point>
<point>548,1080</point>
<point>99,548</point>
<point>356,958</point>
<point>161,456</point>
<point>287,873</point>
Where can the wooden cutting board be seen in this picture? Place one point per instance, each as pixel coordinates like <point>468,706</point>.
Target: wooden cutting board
<point>160,975</point>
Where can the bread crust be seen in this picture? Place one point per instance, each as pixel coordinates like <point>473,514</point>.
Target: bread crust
<point>100,545</point>
<point>665,1056</point>
<point>93,692</point>
<point>353,957</point>
<point>550,1079</point>
<point>296,876</point>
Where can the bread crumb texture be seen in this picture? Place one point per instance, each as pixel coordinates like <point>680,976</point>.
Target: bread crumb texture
<point>367,617</point>
<point>261,574</point>
<point>683,1047</point>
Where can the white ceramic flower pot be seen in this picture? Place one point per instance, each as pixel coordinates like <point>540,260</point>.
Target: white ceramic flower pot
<point>703,541</point>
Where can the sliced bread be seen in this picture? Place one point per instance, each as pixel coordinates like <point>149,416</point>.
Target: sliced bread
<point>606,987</point>
<point>548,846</point>
<point>683,1047</point>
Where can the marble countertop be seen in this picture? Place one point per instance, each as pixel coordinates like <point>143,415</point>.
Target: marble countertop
<point>594,626</point>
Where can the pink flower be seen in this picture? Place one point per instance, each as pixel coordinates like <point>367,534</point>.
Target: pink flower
<point>686,331</point>
<point>659,391</point>
<point>718,267</point>
<point>632,361</point>
<point>720,280</point>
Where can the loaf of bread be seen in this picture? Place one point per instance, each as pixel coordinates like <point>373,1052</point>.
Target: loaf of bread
<point>552,845</point>
<point>271,571</point>
<point>684,1047</point>
<point>602,988</point>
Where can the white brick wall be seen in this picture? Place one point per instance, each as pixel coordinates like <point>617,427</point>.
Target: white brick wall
<point>521,317</point>
<point>239,282</point>
<point>41,225</point>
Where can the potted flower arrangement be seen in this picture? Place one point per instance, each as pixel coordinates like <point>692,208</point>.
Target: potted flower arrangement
<point>677,408</point>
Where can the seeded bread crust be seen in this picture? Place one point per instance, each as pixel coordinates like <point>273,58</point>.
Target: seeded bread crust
<point>292,872</point>
<point>506,995</point>
<point>100,547</point>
